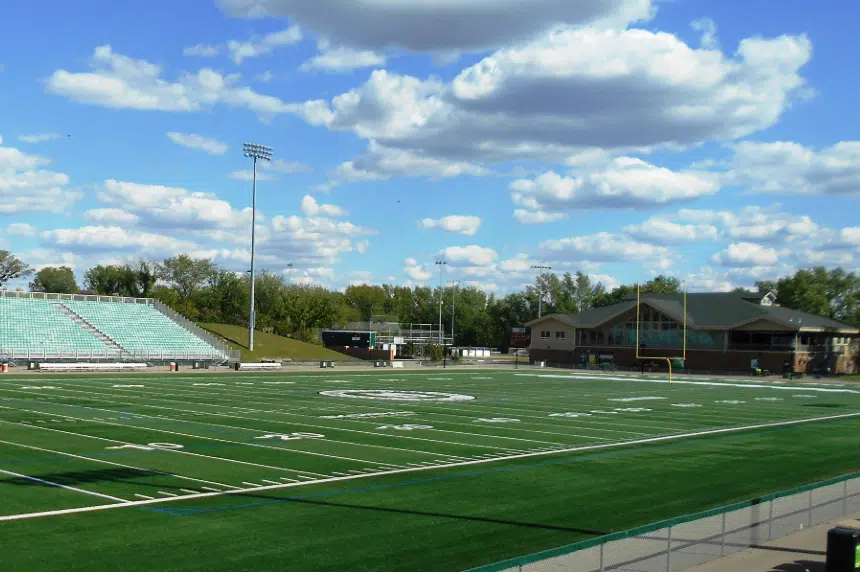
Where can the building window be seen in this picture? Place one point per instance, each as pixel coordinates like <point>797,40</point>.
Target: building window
<point>544,334</point>
<point>592,337</point>
<point>559,335</point>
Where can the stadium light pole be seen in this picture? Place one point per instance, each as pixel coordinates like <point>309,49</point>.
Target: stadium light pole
<point>262,153</point>
<point>454,284</point>
<point>441,264</point>
<point>540,270</point>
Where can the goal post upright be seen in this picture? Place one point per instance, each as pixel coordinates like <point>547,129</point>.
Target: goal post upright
<point>684,334</point>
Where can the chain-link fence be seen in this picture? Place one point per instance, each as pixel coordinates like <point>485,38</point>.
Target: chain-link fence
<point>686,542</point>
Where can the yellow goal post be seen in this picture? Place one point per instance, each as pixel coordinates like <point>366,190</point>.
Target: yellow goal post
<point>683,358</point>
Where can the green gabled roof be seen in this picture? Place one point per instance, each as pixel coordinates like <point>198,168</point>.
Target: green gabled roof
<point>706,310</point>
<point>805,319</point>
<point>590,317</point>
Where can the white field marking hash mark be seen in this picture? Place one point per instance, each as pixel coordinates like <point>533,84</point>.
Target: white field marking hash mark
<point>296,451</point>
<point>818,387</point>
<point>630,399</point>
<point>72,455</point>
<point>231,416</point>
<point>66,487</point>
<point>495,420</point>
<point>291,436</point>
<point>222,459</point>
<point>126,386</point>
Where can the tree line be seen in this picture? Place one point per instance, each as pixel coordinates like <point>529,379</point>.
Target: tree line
<point>200,290</point>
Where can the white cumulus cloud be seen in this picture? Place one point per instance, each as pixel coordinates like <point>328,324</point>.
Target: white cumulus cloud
<point>624,183</point>
<point>39,138</point>
<point>242,50</point>
<point>27,186</point>
<point>748,254</point>
<point>116,216</point>
<point>471,255</point>
<point>198,142</point>
<point>310,207</point>
<point>338,59</point>
<point>467,225</point>
<point>468,25</point>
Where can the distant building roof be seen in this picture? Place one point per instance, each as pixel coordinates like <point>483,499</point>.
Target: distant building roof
<point>708,311</point>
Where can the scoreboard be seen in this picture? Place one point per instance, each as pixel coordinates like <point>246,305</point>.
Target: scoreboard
<point>519,337</point>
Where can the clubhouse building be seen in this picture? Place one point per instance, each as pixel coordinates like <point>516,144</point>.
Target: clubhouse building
<point>725,332</point>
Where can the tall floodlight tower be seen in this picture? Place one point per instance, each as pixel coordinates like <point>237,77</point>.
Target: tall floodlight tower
<point>454,284</point>
<point>540,270</point>
<point>441,264</point>
<point>262,153</point>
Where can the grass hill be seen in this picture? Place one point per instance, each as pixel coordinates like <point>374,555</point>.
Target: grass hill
<point>270,346</point>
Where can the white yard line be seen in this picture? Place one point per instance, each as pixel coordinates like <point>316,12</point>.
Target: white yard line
<point>165,431</point>
<point>72,455</point>
<point>197,412</point>
<point>660,439</point>
<point>65,487</point>
<point>689,382</point>
<point>269,397</point>
<point>145,497</point>
<point>178,451</point>
<point>158,400</point>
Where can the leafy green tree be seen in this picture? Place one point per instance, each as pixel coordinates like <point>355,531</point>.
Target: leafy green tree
<point>186,274</point>
<point>58,280</point>
<point>662,285</point>
<point>833,293</point>
<point>111,281</point>
<point>145,277</point>
<point>11,267</point>
<point>367,299</point>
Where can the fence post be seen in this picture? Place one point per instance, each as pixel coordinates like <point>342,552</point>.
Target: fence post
<point>845,498</point>
<point>723,537</point>
<point>770,521</point>
<point>809,515</point>
<point>669,551</point>
<point>601,556</point>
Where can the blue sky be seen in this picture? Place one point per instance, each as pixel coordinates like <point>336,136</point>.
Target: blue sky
<point>714,141</point>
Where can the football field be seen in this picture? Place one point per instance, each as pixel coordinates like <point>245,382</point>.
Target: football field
<point>388,469</point>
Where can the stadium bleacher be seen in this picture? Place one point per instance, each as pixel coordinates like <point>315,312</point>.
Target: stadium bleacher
<point>139,328</point>
<point>39,326</point>
<point>79,328</point>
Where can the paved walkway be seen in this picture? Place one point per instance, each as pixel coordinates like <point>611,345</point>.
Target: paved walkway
<point>803,551</point>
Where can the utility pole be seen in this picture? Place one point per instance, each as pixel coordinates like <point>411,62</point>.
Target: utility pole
<point>540,270</point>
<point>453,306</point>
<point>263,153</point>
<point>441,264</point>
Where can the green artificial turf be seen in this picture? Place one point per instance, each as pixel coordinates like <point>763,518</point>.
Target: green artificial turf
<point>270,346</point>
<point>449,518</point>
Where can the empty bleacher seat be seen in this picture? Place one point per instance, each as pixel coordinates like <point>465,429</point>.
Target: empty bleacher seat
<point>141,328</point>
<point>77,328</point>
<point>40,326</point>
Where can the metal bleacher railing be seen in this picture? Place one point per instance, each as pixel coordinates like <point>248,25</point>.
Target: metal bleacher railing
<point>688,541</point>
<point>222,350</point>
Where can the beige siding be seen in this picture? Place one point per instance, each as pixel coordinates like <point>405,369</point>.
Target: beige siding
<point>553,343</point>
